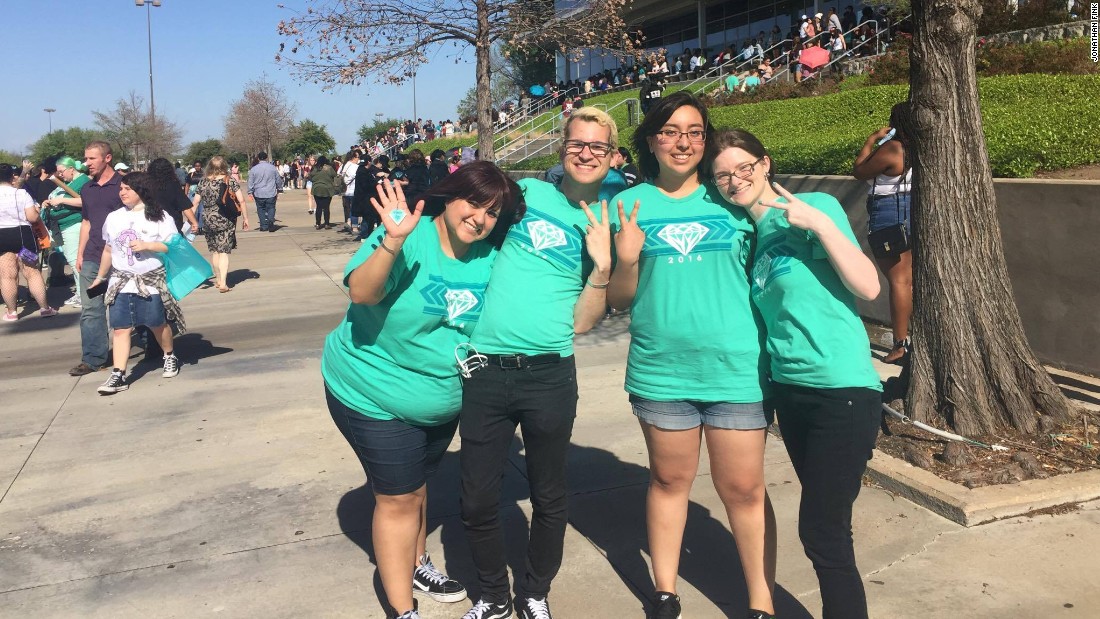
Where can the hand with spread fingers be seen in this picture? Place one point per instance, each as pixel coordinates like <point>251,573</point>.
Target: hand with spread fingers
<point>630,239</point>
<point>798,213</point>
<point>394,210</point>
<point>597,237</point>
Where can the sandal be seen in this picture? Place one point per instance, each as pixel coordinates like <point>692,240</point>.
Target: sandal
<point>898,355</point>
<point>223,289</point>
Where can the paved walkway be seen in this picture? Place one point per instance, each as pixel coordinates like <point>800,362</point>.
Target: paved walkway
<point>228,492</point>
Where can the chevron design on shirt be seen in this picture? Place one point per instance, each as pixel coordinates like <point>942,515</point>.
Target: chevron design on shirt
<point>685,235</point>
<point>457,303</point>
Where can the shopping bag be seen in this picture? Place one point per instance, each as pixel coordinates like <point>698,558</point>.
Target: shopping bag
<point>186,267</point>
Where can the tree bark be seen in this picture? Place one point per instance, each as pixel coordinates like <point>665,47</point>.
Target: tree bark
<point>971,363</point>
<point>482,47</point>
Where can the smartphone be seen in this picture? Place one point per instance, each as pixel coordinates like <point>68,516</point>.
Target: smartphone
<point>97,290</point>
<point>886,138</point>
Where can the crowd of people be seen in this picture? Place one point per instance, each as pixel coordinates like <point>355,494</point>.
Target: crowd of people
<point>742,299</point>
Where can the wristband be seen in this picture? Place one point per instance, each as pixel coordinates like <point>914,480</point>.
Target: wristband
<point>382,244</point>
<point>597,286</point>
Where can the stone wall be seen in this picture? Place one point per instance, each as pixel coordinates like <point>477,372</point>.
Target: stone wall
<point>1071,30</point>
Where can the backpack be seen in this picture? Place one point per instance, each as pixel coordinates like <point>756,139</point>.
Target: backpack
<point>227,203</point>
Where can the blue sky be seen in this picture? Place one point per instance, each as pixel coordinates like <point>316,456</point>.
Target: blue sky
<point>89,53</point>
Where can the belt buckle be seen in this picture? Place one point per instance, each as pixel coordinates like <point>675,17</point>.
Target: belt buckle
<point>512,362</point>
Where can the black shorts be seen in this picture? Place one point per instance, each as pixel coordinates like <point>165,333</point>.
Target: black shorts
<point>12,240</point>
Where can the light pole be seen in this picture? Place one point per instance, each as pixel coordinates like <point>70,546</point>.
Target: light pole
<point>149,4</point>
<point>49,112</point>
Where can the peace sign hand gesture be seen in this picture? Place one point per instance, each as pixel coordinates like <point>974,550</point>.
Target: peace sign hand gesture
<point>394,210</point>
<point>597,237</point>
<point>798,213</point>
<point>630,239</point>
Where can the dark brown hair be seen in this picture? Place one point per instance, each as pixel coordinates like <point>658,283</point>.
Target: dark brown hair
<point>484,185</point>
<point>145,187</point>
<point>734,138</point>
<point>656,118</point>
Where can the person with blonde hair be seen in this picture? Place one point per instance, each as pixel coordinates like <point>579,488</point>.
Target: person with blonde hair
<point>223,201</point>
<point>548,283</point>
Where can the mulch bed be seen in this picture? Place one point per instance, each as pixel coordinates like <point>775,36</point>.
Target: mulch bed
<point>1057,451</point>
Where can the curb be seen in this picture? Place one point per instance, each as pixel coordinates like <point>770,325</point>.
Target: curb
<point>970,507</point>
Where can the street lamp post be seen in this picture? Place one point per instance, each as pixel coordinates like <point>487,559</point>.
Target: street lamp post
<point>49,112</point>
<point>149,4</point>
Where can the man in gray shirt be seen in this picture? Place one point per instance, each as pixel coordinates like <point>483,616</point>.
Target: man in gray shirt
<point>264,183</point>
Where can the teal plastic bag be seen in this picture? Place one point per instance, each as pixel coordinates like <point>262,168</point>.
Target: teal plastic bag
<point>186,267</point>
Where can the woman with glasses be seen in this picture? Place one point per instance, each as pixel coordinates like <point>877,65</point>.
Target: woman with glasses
<point>807,271</point>
<point>696,363</point>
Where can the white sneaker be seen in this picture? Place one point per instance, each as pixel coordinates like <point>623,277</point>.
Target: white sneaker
<point>74,301</point>
<point>171,366</point>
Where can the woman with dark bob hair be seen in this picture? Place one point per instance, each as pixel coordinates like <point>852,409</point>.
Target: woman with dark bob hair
<point>807,271</point>
<point>417,288</point>
<point>696,364</point>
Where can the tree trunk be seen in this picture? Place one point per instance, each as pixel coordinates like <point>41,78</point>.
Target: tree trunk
<point>971,364</point>
<point>484,99</point>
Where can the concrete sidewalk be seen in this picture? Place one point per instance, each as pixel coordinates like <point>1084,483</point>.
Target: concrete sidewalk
<point>227,491</point>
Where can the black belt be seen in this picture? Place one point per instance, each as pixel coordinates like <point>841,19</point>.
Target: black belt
<point>518,362</point>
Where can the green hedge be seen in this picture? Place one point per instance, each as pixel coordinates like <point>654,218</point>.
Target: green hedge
<point>1032,122</point>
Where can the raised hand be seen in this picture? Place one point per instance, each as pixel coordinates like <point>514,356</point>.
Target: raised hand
<point>597,238</point>
<point>798,213</point>
<point>394,210</point>
<point>630,238</point>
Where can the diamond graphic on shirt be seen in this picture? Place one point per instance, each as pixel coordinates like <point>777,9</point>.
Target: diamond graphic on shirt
<point>459,302</point>
<point>545,235</point>
<point>684,237</point>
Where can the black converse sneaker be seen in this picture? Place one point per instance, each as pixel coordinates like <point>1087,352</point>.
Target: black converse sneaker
<point>532,608</point>
<point>435,583</point>
<point>666,606</point>
<point>487,609</point>
<point>115,382</point>
<point>171,365</point>
<point>759,614</point>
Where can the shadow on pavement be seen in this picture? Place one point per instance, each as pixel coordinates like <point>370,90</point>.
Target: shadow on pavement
<point>614,521</point>
<point>240,275</point>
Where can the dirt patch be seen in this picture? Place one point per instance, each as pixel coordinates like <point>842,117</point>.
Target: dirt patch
<point>1080,173</point>
<point>1057,451</point>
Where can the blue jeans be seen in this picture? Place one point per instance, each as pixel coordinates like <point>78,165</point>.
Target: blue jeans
<point>94,342</point>
<point>265,212</point>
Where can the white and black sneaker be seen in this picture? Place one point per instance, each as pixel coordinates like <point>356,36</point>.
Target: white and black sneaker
<point>666,606</point>
<point>532,608</point>
<point>171,365</point>
<point>115,382</point>
<point>486,609</point>
<point>412,614</point>
<point>436,584</point>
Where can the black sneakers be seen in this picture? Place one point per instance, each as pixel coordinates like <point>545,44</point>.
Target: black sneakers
<point>485,609</point>
<point>666,606</point>
<point>115,382</point>
<point>759,614</point>
<point>433,582</point>
<point>171,365</point>
<point>532,608</point>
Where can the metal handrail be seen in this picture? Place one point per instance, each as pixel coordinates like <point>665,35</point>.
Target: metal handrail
<point>787,69</point>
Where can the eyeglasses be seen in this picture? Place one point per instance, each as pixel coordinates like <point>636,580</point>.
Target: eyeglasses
<point>743,172</point>
<point>672,136</point>
<point>598,149</point>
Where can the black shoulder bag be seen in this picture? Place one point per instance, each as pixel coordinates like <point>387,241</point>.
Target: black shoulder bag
<point>894,240</point>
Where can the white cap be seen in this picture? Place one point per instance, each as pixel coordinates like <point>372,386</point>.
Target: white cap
<point>121,166</point>
<point>804,17</point>
<point>819,15</point>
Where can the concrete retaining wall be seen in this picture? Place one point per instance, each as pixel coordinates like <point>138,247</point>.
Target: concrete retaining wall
<point>1051,231</point>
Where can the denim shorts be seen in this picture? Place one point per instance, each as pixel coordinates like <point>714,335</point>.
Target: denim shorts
<point>685,415</point>
<point>133,310</point>
<point>886,211</point>
<point>398,457</point>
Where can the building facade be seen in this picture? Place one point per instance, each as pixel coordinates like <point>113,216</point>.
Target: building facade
<point>679,25</point>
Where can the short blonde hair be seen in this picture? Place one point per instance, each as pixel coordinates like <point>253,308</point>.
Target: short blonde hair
<point>216,167</point>
<point>594,115</point>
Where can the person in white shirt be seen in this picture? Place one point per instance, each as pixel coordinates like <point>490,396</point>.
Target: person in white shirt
<point>347,171</point>
<point>137,292</point>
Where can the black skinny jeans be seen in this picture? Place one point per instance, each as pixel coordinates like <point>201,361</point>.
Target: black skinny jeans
<point>322,207</point>
<point>829,435</point>
<point>542,401</point>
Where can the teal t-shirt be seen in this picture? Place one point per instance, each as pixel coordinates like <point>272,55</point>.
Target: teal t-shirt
<point>732,82</point>
<point>537,278</point>
<point>815,335</point>
<point>67,216</point>
<point>694,332</point>
<point>396,359</point>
